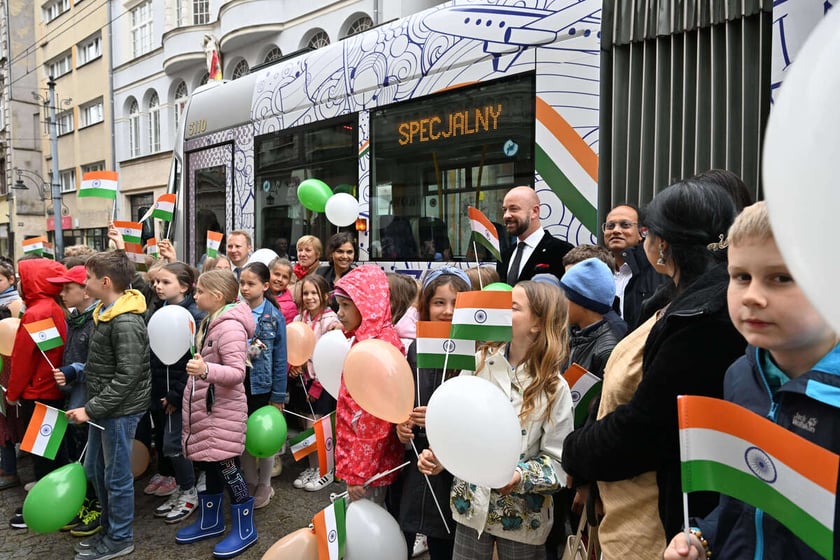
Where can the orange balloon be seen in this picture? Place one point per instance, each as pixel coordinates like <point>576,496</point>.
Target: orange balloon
<point>8,330</point>
<point>300,545</point>
<point>139,458</point>
<point>300,343</point>
<point>379,378</point>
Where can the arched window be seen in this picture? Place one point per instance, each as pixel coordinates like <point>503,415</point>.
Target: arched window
<point>180,103</point>
<point>154,123</point>
<point>241,69</point>
<point>134,128</point>
<point>362,24</point>
<point>204,79</point>
<point>272,55</point>
<point>320,39</point>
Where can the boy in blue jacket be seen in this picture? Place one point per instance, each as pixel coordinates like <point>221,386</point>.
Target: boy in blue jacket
<point>790,374</point>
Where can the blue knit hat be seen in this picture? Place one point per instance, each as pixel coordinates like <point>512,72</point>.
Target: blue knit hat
<point>590,284</point>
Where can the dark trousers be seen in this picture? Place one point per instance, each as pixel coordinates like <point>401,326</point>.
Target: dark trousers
<point>44,466</point>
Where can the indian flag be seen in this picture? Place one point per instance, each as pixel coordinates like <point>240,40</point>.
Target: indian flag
<point>100,184</point>
<point>131,232</point>
<point>214,240</point>
<point>584,386</point>
<point>483,316</point>
<point>152,247</point>
<point>325,441</point>
<point>303,444</point>
<point>484,232</point>
<point>728,449</point>
<point>34,245</point>
<point>164,207</point>
<point>44,333</point>
<point>45,431</point>
<point>135,254</point>
<point>434,345</point>
<point>48,251</point>
<point>329,524</point>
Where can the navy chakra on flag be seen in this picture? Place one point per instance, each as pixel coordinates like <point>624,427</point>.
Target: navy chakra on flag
<point>449,346</point>
<point>575,396</point>
<point>95,183</point>
<point>46,430</point>
<point>480,316</point>
<point>42,335</point>
<point>329,443</point>
<point>761,464</point>
<point>331,536</point>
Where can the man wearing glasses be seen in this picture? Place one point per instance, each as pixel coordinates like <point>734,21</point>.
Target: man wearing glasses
<point>635,277</point>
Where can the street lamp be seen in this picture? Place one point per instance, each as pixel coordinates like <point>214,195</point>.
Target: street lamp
<point>41,185</point>
<point>45,194</point>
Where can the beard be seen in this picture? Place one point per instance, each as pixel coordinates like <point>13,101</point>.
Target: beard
<point>516,227</point>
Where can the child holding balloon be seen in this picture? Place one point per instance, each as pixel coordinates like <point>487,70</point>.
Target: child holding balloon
<point>315,313</point>
<point>265,381</point>
<point>517,517</point>
<point>173,286</point>
<point>365,445</point>
<point>418,513</point>
<point>215,411</point>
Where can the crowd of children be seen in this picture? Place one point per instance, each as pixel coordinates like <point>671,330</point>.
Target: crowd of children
<point>197,407</point>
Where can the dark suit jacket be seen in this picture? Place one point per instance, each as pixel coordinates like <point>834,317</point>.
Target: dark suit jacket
<point>547,257</point>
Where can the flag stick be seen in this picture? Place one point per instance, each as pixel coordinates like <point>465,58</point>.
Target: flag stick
<point>478,266</point>
<point>417,383</point>
<point>169,229</point>
<point>45,357</point>
<point>445,360</point>
<point>334,497</point>
<point>287,411</point>
<point>429,484</point>
<point>82,454</point>
<point>685,520</point>
<point>96,425</point>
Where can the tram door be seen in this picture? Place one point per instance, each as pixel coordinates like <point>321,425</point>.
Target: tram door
<point>210,171</point>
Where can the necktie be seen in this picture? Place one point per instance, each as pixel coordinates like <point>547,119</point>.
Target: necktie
<point>513,274</point>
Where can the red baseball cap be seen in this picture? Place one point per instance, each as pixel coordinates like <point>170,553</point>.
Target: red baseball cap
<point>76,275</point>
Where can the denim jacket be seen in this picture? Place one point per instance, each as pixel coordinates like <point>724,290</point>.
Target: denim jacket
<point>267,355</point>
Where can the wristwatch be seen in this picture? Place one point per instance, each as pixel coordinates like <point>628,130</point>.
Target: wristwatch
<point>206,371</point>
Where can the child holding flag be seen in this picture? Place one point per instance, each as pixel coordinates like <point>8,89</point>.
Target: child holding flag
<point>791,365</point>
<point>517,517</point>
<point>31,377</point>
<point>418,513</point>
<point>365,445</point>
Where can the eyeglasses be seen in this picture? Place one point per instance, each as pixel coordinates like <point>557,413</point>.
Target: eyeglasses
<point>609,226</point>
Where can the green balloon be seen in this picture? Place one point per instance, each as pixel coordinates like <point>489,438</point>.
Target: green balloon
<point>345,188</point>
<point>265,433</point>
<point>313,194</point>
<point>55,499</point>
<point>498,287</point>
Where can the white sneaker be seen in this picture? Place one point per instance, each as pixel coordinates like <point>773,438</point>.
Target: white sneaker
<point>317,483</point>
<point>421,545</point>
<point>183,507</point>
<point>163,509</point>
<point>201,482</point>
<point>306,476</point>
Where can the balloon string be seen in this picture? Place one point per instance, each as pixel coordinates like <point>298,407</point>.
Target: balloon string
<point>287,411</point>
<point>169,416</point>
<point>434,497</point>
<point>306,395</point>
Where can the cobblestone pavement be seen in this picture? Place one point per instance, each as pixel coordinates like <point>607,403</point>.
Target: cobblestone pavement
<point>289,510</point>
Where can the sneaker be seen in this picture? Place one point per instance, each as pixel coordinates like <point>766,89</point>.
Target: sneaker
<point>30,485</point>
<point>17,521</point>
<point>184,506</point>
<point>263,496</point>
<point>163,509</point>
<point>90,542</point>
<point>90,522</point>
<point>106,549</point>
<point>306,476</point>
<point>421,545</point>
<point>153,484</point>
<point>317,483</point>
<point>277,468</point>
<point>167,487</point>
<point>201,482</point>
<point>75,521</point>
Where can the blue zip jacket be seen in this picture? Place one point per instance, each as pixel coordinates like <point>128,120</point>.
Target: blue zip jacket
<point>269,371</point>
<point>808,406</point>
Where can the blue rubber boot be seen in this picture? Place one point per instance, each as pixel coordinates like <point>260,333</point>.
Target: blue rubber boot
<point>211,520</point>
<point>243,533</point>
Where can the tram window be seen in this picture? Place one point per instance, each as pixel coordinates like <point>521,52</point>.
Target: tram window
<point>434,157</point>
<point>209,205</point>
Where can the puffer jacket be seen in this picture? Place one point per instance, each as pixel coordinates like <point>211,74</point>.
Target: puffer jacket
<point>117,368</point>
<point>591,347</point>
<point>807,406</point>
<point>169,381</point>
<point>218,433</point>
<point>79,331</point>
<point>366,445</point>
<point>31,376</point>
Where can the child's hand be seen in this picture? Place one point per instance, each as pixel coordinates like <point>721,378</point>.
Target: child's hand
<point>356,492</point>
<point>278,406</point>
<point>404,432</point>
<point>514,482</point>
<point>166,250</point>
<point>167,408</point>
<point>77,415</point>
<point>295,371</point>
<point>59,377</point>
<point>427,463</point>
<point>196,367</point>
<point>678,548</point>
<point>115,236</point>
<point>418,416</point>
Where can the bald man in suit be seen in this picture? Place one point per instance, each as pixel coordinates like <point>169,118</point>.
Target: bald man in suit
<point>536,250</point>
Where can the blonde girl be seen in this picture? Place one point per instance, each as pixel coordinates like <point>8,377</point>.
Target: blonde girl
<point>282,276</point>
<point>517,517</point>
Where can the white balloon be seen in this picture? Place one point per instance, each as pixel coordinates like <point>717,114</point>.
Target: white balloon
<point>372,534</point>
<point>171,331</point>
<point>264,256</point>
<point>328,360</point>
<point>474,431</point>
<point>801,163</point>
<point>342,209</point>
